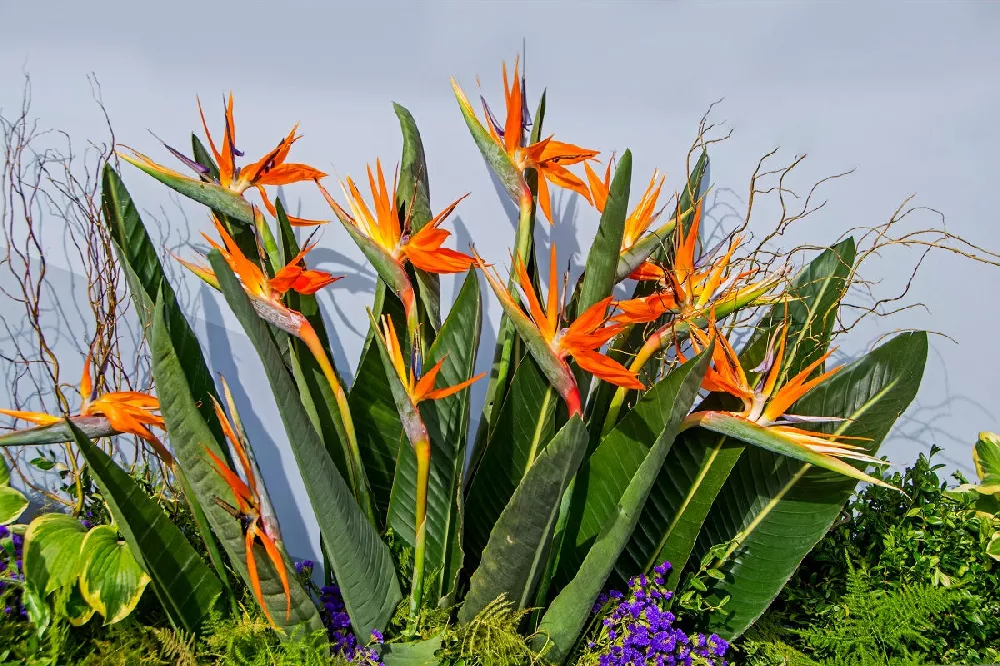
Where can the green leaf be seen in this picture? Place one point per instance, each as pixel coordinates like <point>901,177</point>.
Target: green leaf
<point>509,350</point>
<point>993,547</point>
<point>112,581</point>
<point>190,437</point>
<point>774,509</point>
<point>696,468</point>
<point>810,312</point>
<point>361,561</point>
<point>52,552</point>
<point>71,604</point>
<point>607,472</point>
<point>185,585</point>
<point>986,457</point>
<point>212,195</point>
<point>414,202</point>
<point>4,473</point>
<point>376,420</point>
<point>418,653</point>
<point>146,280</point>
<point>447,422</point>
<point>317,395</point>
<point>599,273</point>
<point>599,280</point>
<point>525,425</point>
<point>12,504</point>
<point>566,615</point>
<point>515,557</point>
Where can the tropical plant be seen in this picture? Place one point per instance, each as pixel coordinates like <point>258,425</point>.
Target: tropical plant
<point>602,450</point>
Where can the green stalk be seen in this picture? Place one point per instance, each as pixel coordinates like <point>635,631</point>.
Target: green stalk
<point>522,248</point>
<point>422,449</point>
<point>308,335</point>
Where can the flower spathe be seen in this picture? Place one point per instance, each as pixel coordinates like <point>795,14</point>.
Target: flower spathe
<point>548,157</point>
<point>417,387</point>
<point>581,340</point>
<point>269,170</point>
<point>125,412</point>
<point>254,512</point>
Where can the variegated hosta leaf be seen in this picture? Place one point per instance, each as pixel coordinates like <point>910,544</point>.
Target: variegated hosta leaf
<point>111,580</point>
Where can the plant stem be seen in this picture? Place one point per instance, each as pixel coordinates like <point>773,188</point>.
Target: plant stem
<point>354,466</point>
<point>422,449</point>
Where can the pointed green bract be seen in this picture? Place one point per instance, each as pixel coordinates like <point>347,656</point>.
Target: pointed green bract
<point>515,557</point>
<point>566,615</point>
<point>773,509</point>
<point>213,195</point>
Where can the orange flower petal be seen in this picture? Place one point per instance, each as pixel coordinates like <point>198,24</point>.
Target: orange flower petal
<point>39,418</point>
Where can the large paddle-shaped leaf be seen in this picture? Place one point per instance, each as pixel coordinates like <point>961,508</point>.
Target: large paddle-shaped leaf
<point>447,423</point>
<point>562,622</point>
<point>146,282</point>
<point>509,349</point>
<point>146,279</point>
<point>185,585</point>
<point>700,461</point>
<point>190,437</point>
<point>607,472</point>
<point>414,201</point>
<point>525,425</point>
<point>318,396</point>
<point>516,555</point>
<point>774,509</point>
<point>361,560</point>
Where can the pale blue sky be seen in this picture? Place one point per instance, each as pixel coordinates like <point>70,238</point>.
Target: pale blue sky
<point>904,93</point>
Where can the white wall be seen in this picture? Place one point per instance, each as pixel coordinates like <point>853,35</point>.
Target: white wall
<point>904,94</point>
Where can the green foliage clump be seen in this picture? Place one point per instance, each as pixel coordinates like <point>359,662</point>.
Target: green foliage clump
<point>490,639</point>
<point>899,577</point>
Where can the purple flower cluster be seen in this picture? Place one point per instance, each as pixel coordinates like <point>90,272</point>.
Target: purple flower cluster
<point>11,573</point>
<point>338,626</point>
<point>638,629</point>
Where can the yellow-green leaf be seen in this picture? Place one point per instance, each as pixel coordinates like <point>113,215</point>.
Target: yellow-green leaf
<point>112,580</point>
